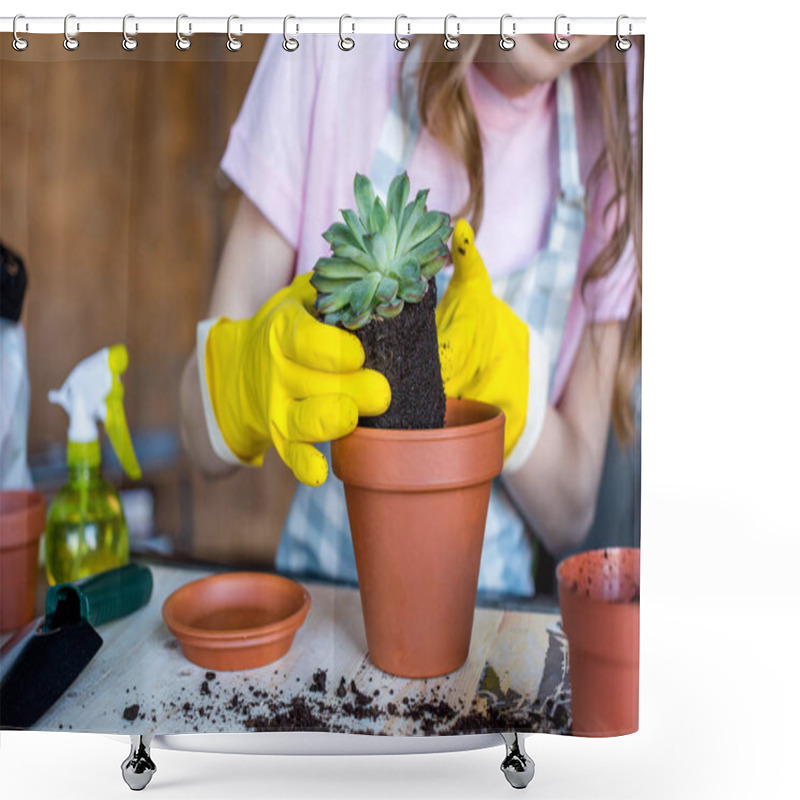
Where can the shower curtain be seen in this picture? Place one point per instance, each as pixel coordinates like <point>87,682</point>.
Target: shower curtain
<point>240,219</point>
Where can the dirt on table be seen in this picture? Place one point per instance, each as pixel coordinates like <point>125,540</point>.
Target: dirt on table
<point>317,709</point>
<point>319,681</point>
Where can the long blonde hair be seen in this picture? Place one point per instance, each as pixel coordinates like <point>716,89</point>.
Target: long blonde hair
<point>446,110</point>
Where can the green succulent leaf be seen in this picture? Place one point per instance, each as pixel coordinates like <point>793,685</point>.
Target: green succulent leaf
<point>390,310</point>
<point>329,303</point>
<point>378,217</point>
<point>411,216</point>
<point>376,246</point>
<point>339,233</point>
<point>362,292</point>
<point>412,212</point>
<point>398,194</point>
<point>365,196</point>
<point>353,321</point>
<point>329,285</point>
<point>408,271</point>
<point>338,268</point>
<point>355,225</point>
<point>387,290</point>
<point>355,255</point>
<point>432,267</point>
<point>428,248</point>
<point>432,223</point>
<point>390,236</point>
<point>333,319</point>
<point>414,292</point>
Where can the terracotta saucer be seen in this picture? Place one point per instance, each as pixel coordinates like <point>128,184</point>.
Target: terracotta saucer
<point>236,620</point>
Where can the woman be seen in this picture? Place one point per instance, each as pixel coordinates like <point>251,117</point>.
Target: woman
<point>534,147</point>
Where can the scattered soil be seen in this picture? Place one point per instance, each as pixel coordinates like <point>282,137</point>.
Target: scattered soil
<point>319,681</point>
<point>406,350</point>
<point>361,698</point>
<point>297,715</point>
<point>317,710</point>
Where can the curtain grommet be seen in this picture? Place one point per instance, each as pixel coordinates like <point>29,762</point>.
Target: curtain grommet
<point>129,43</point>
<point>18,43</point>
<point>400,42</point>
<point>561,44</point>
<point>289,44</point>
<point>507,42</point>
<point>451,42</point>
<point>182,42</point>
<point>346,43</point>
<point>234,44</point>
<point>71,43</point>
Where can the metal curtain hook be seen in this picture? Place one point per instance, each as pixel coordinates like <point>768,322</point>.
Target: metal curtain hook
<point>289,44</point>
<point>182,43</point>
<point>233,44</point>
<point>70,42</point>
<point>506,42</point>
<point>128,42</point>
<point>560,43</point>
<point>401,43</point>
<point>345,42</point>
<point>622,44</point>
<point>19,44</point>
<point>451,42</point>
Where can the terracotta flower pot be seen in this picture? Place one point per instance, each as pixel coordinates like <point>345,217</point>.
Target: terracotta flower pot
<point>599,596</point>
<point>236,620</point>
<point>417,503</point>
<point>22,522</point>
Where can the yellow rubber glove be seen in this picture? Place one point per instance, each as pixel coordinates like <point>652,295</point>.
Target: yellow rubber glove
<point>483,344</point>
<point>283,378</point>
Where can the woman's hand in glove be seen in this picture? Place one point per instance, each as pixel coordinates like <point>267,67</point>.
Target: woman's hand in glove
<point>283,378</point>
<point>484,346</point>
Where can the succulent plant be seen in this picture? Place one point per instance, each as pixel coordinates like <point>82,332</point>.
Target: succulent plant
<point>383,255</point>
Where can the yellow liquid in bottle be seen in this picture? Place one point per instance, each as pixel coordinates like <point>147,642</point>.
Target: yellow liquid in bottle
<point>76,551</point>
<point>86,530</point>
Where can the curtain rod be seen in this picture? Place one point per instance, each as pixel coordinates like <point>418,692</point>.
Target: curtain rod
<point>187,25</point>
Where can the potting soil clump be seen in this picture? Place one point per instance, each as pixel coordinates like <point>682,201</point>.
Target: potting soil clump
<point>406,351</point>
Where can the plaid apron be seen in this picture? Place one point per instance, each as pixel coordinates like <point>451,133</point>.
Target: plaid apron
<point>316,537</point>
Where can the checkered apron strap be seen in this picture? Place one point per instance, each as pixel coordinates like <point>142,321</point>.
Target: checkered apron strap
<point>400,128</point>
<point>541,292</point>
<point>316,535</point>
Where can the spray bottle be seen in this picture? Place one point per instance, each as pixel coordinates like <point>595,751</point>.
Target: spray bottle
<point>86,530</point>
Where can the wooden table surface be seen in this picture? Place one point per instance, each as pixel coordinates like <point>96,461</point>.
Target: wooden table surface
<point>139,681</point>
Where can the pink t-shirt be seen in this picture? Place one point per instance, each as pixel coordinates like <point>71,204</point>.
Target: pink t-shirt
<point>312,119</point>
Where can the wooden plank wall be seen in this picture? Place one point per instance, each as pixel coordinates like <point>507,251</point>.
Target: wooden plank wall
<point>110,189</point>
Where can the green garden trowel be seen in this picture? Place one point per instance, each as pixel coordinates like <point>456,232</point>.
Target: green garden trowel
<point>66,641</point>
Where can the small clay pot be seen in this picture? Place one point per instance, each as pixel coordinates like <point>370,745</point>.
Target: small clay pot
<point>22,522</point>
<point>236,620</point>
<point>417,503</point>
<point>598,592</point>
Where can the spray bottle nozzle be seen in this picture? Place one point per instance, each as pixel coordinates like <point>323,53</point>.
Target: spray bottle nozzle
<point>93,393</point>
